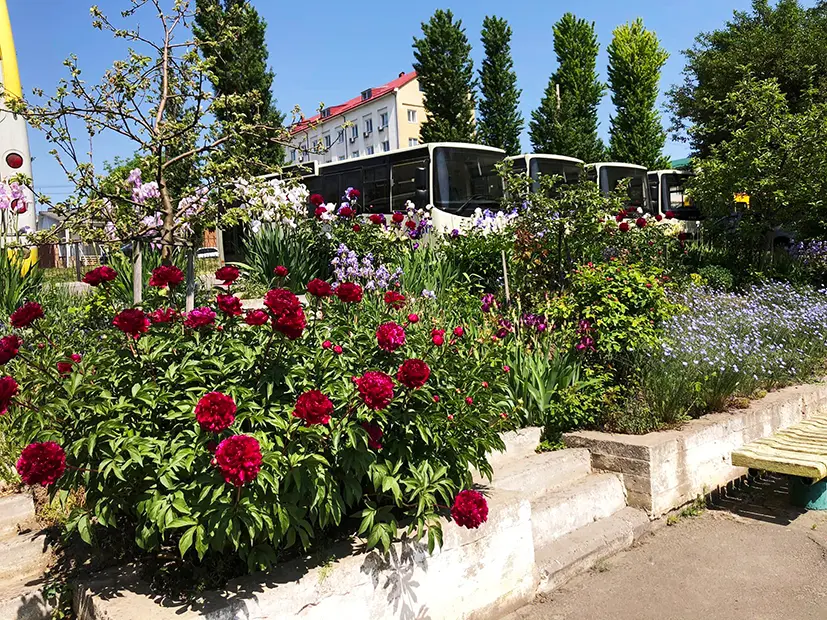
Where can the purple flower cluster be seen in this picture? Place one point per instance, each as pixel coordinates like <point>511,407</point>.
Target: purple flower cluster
<point>812,254</point>
<point>347,267</point>
<point>535,321</point>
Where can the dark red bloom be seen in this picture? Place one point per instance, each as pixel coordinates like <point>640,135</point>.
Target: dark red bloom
<point>320,211</point>
<point>9,348</point>
<point>470,509</point>
<point>239,459</point>
<point>354,194</point>
<point>390,336</point>
<point>375,389</point>
<point>319,288</point>
<point>410,224</point>
<point>345,212</point>
<point>683,236</point>
<point>413,318</point>
<point>229,305</point>
<point>375,435</point>
<point>438,337</point>
<point>658,217</point>
<point>132,322</point>
<point>435,398</point>
<point>256,317</point>
<point>64,368</point>
<point>394,300</point>
<point>337,350</point>
<point>280,301</point>
<point>26,314</point>
<point>291,324</point>
<point>314,408</point>
<point>316,200</point>
<point>670,215</point>
<point>349,292</point>
<point>99,275</point>
<point>459,331</point>
<point>327,344</point>
<point>163,315</point>
<point>357,228</point>
<point>200,317</point>
<point>166,275</point>
<point>641,222</point>
<point>215,412</point>
<point>77,358</point>
<point>398,218</point>
<point>41,463</point>
<point>8,390</point>
<point>227,274</point>
<point>624,226</point>
<point>469,400</point>
<point>376,218</point>
<point>413,373</point>
<point>619,217</point>
<point>281,271</point>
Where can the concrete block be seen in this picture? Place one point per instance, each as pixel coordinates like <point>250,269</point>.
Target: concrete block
<point>479,574</point>
<point>519,444</point>
<point>22,599</point>
<point>23,555</point>
<point>15,510</point>
<point>539,474</point>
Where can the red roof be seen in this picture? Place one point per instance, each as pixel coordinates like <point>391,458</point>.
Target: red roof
<point>347,106</point>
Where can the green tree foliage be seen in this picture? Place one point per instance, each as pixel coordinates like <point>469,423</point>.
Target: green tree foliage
<point>635,60</point>
<point>776,155</point>
<point>567,125</point>
<point>787,42</point>
<point>500,122</point>
<point>238,66</point>
<point>446,75</point>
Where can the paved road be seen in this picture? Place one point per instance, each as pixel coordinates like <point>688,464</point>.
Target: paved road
<point>750,558</point>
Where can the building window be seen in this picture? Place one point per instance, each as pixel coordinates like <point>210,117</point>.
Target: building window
<point>386,145</point>
<point>341,137</point>
<point>367,94</point>
<point>369,150</point>
<point>342,157</point>
<point>293,155</point>
<point>355,154</point>
<point>368,125</point>
<point>354,131</point>
<point>326,113</point>
<point>413,142</point>
<point>327,141</point>
<point>383,120</point>
<point>411,116</point>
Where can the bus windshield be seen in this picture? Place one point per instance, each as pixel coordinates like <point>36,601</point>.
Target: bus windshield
<point>570,171</point>
<point>465,179</point>
<point>611,176</point>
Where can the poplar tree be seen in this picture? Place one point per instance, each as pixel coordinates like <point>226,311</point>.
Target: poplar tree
<point>566,121</point>
<point>635,61</point>
<point>446,76</point>
<point>500,122</point>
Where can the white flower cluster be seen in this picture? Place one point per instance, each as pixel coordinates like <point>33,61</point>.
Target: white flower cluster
<point>273,200</point>
<point>489,222</point>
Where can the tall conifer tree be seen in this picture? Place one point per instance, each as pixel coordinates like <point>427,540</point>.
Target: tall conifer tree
<point>500,122</point>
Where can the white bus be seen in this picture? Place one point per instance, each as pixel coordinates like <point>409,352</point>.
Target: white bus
<point>537,165</point>
<point>608,175</point>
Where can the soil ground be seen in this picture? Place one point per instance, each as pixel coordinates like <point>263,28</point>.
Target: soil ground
<point>751,556</point>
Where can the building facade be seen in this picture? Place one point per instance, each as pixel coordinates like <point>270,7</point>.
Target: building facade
<point>380,119</point>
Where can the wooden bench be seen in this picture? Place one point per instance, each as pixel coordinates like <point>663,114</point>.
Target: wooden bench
<point>800,452</point>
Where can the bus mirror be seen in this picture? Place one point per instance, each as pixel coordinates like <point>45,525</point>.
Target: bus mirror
<point>421,179</point>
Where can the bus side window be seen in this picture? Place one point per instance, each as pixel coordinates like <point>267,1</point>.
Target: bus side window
<point>405,183</point>
<point>376,193</point>
<point>330,188</point>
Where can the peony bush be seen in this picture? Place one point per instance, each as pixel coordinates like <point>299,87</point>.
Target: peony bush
<point>251,432</point>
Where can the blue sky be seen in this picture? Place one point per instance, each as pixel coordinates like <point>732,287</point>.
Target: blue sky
<point>329,50</point>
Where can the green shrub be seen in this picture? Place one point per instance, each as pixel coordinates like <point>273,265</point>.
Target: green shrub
<point>19,280</point>
<point>717,277</point>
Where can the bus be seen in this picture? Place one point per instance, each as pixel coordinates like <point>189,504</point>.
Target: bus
<point>608,175</point>
<point>668,193</point>
<point>455,178</point>
<point>15,157</point>
<point>537,165</point>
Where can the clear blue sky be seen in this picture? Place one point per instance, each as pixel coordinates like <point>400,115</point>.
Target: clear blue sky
<point>329,50</point>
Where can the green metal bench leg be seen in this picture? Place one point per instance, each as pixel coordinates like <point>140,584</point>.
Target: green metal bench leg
<point>807,494</point>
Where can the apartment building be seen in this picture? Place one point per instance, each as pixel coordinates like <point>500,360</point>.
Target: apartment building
<point>382,118</point>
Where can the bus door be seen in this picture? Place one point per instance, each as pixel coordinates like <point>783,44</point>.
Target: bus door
<point>409,183</point>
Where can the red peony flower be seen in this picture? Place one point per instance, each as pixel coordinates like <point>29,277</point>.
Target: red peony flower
<point>327,344</point>
<point>99,275</point>
<point>624,227</point>
<point>435,398</point>
<point>8,390</point>
<point>619,217</point>
<point>280,301</point>
<point>229,304</point>
<point>354,194</point>
<point>413,318</point>
<point>281,271</point>
<point>26,314</point>
<point>77,358</point>
<point>376,218</point>
<point>398,218</point>
<point>683,236</point>
<point>314,408</point>
<point>390,336</point>
<point>132,322</point>
<point>319,288</point>
<point>470,509</point>
<point>345,212</point>
<point>239,459</point>
<point>641,222</point>
<point>375,389</point>
<point>166,275</point>
<point>413,373</point>
<point>337,350</point>
<point>41,463</point>
<point>316,200</point>
<point>357,228</point>
<point>200,317</point>
<point>227,274</point>
<point>9,348</point>
<point>375,434</point>
<point>163,315</point>
<point>291,324</point>
<point>459,331</point>
<point>506,369</point>
<point>469,400</point>
<point>658,217</point>
<point>410,224</point>
<point>256,317</point>
<point>349,292</point>
<point>438,337</point>
<point>319,212</point>
<point>670,215</point>
<point>394,300</point>
<point>64,368</point>
<point>215,412</point>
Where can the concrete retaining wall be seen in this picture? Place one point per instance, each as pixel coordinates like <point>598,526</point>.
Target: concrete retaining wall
<point>478,574</point>
<point>665,470</point>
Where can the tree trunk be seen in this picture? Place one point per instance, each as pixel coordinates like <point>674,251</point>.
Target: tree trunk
<point>137,273</point>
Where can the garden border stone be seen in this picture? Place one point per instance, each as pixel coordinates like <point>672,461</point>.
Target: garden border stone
<point>476,575</point>
<point>665,470</point>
